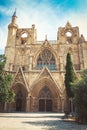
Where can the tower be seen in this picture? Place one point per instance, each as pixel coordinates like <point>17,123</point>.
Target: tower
<point>10,46</point>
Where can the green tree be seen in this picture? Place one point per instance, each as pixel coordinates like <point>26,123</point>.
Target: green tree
<point>69,76</point>
<point>2,63</point>
<point>80,96</point>
<point>6,93</point>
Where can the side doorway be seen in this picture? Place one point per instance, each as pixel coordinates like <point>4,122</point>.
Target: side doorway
<point>20,98</point>
<point>19,101</point>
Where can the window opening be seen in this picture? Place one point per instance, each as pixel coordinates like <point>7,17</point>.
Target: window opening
<point>46,58</point>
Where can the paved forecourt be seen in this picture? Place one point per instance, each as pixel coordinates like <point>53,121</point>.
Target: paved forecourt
<point>37,121</point>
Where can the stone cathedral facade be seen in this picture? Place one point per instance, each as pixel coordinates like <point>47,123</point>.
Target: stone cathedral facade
<point>38,67</point>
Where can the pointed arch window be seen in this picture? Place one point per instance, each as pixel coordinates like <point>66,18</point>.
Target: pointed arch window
<point>46,58</point>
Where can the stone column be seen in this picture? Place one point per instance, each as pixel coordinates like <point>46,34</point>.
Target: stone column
<point>81,56</point>
<point>28,104</point>
<point>61,63</point>
<point>62,103</point>
<point>30,62</point>
<point>10,66</point>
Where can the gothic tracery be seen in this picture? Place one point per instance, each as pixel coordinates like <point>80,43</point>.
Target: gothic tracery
<point>46,58</point>
<point>45,93</point>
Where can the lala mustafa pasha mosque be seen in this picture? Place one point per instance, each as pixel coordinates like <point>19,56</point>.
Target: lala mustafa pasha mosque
<point>38,67</point>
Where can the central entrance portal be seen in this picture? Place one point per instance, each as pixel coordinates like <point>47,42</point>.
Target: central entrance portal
<point>45,105</point>
<point>45,100</point>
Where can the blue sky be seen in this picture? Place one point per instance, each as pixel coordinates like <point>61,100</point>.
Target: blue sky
<point>47,15</point>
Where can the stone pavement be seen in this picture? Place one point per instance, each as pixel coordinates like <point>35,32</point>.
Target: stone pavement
<point>37,121</point>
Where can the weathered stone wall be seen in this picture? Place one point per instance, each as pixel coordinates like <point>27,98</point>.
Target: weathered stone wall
<point>22,51</point>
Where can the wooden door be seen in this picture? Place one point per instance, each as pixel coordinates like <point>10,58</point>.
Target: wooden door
<point>48,105</point>
<point>42,105</point>
<point>19,104</point>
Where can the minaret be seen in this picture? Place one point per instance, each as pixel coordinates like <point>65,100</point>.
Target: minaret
<point>11,41</point>
<point>12,29</point>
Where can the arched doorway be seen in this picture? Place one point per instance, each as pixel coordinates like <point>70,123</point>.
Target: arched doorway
<point>45,100</point>
<point>19,101</point>
<point>20,98</point>
<point>45,92</point>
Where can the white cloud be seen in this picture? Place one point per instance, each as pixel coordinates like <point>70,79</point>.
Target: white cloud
<point>3,38</point>
<point>6,10</point>
<point>44,17</point>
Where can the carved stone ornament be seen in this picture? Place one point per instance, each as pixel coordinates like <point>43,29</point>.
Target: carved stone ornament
<point>45,93</point>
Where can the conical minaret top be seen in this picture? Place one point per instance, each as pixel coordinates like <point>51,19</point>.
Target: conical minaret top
<point>14,14</point>
<point>14,18</point>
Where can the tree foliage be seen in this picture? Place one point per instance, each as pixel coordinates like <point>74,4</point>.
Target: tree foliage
<point>80,96</point>
<point>6,94</point>
<point>69,76</point>
<point>2,63</point>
